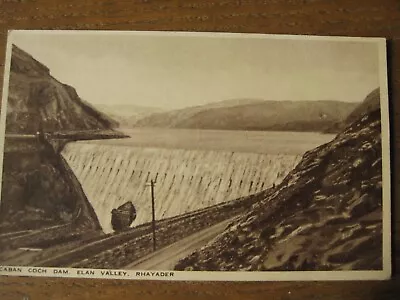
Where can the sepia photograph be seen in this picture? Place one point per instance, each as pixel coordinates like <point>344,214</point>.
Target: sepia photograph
<point>194,156</point>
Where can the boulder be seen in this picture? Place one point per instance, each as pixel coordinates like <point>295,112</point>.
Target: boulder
<point>123,216</point>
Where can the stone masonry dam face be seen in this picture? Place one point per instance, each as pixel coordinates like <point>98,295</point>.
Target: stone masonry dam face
<point>186,180</point>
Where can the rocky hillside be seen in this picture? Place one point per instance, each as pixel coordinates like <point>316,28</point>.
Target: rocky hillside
<point>370,103</point>
<point>325,215</point>
<point>36,100</point>
<point>39,190</point>
<point>255,115</point>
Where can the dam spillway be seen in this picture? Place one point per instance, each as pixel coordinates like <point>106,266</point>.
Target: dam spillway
<point>186,180</point>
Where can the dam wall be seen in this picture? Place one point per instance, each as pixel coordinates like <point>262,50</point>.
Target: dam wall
<point>186,180</point>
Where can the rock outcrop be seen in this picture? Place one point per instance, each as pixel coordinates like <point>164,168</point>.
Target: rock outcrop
<point>325,215</point>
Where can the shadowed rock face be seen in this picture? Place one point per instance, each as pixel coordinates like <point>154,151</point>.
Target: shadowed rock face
<point>325,215</point>
<point>39,190</point>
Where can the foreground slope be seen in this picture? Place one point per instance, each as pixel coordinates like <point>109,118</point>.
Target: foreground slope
<point>325,215</point>
<point>255,115</point>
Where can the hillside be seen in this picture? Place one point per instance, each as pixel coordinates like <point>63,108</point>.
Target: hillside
<point>39,190</point>
<point>256,115</point>
<point>128,115</point>
<point>37,100</point>
<point>370,103</point>
<point>171,119</point>
<point>325,215</point>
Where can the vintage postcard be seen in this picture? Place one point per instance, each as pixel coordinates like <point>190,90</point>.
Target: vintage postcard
<point>194,156</point>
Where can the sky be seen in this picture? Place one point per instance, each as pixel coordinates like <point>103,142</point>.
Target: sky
<point>176,71</point>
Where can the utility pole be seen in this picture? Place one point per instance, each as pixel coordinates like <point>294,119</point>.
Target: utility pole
<point>152,184</point>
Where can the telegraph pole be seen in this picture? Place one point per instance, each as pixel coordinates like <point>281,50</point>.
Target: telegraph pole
<point>152,184</point>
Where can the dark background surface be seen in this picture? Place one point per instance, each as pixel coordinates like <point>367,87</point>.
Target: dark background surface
<point>317,17</point>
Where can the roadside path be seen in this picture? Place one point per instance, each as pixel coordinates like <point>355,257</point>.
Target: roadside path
<point>166,258</point>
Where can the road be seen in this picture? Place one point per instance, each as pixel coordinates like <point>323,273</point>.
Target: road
<point>168,257</point>
<point>20,136</point>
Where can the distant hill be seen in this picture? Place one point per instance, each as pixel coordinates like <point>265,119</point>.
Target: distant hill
<point>231,103</point>
<point>168,119</point>
<point>251,114</point>
<point>127,114</point>
<point>370,103</point>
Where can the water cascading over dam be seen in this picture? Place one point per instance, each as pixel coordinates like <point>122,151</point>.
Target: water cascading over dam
<point>186,180</point>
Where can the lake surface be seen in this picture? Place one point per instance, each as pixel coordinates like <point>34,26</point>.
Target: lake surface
<point>270,142</point>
